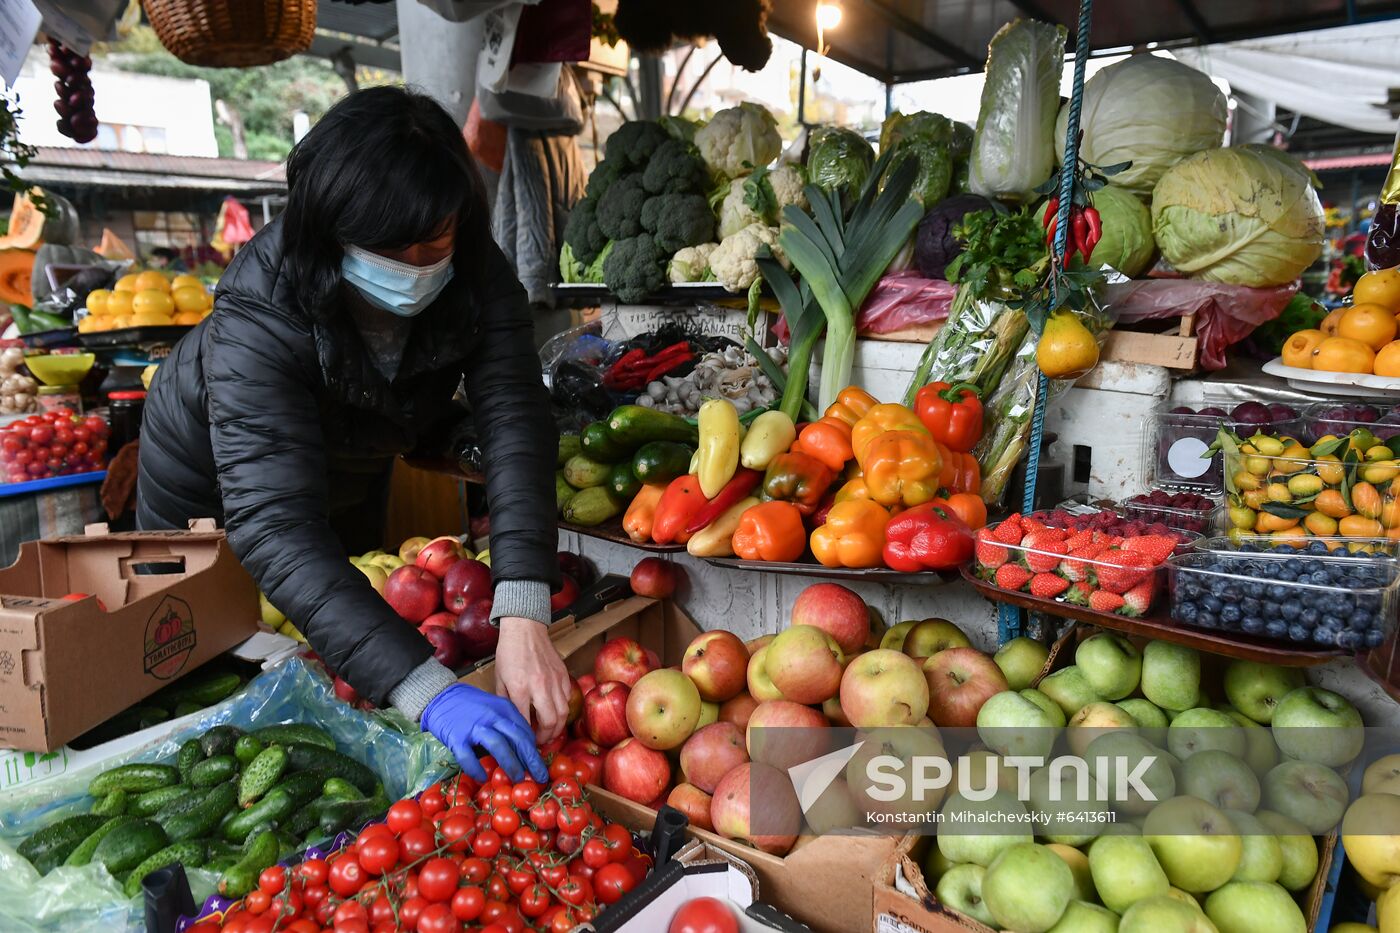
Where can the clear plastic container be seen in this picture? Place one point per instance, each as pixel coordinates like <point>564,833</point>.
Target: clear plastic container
<point>1092,518</point>
<point>1337,547</point>
<point>1306,599</point>
<point>1323,496</point>
<point>1194,520</point>
<point>1174,445</point>
<point>1342,417</point>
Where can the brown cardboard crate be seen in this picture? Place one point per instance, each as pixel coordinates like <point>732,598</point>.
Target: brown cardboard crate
<point>826,882</point>
<point>67,666</point>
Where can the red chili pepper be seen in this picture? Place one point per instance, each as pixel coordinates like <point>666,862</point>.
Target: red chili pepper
<point>665,366</point>
<point>1052,211</point>
<point>744,482</point>
<point>1081,230</point>
<point>1095,222</point>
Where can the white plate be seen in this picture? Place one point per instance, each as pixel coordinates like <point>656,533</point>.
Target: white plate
<point>1364,385</point>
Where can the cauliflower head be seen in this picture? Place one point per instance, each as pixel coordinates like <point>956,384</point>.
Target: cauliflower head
<point>787,182</point>
<point>734,212</point>
<point>739,140</point>
<point>734,261</point>
<point>691,264</point>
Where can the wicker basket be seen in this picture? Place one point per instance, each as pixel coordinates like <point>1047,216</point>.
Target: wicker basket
<point>233,33</point>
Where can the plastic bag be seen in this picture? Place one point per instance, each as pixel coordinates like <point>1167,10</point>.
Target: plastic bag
<point>1014,146</point>
<point>904,299</point>
<point>1225,314</point>
<point>77,900</point>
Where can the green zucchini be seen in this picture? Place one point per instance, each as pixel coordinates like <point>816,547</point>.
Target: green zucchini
<point>592,507</point>
<point>47,848</point>
<point>582,472</point>
<point>212,771</point>
<point>261,853</point>
<point>631,426</point>
<point>188,854</point>
<point>287,733</point>
<point>128,845</point>
<point>83,853</point>
<point>661,461</point>
<point>622,482</point>
<point>597,444</point>
<point>201,820</point>
<point>135,777</point>
<point>569,445</point>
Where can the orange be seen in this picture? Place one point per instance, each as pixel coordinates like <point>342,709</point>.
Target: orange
<point>1297,349</point>
<point>1372,324</point>
<point>152,301</point>
<point>1289,534</point>
<point>152,279</point>
<point>126,283</point>
<point>188,298</point>
<point>1388,360</point>
<point>185,280</point>
<point>1380,287</point>
<point>1343,355</point>
<point>97,300</point>
<point>119,302</point>
<point>1330,503</point>
<point>188,318</point>
<point>1390,514</point>
<point>1330,322</point>
<point>1357,526</point>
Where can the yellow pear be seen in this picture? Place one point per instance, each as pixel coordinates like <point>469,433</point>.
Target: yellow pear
<point>376,576</point>
<point>1388,911</point>
<point>1066,349</point>
<point>1371,836</point>
<point>271,615</point>
<point>1382,776</point>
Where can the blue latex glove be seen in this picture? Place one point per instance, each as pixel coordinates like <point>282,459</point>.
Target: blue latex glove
<point>466,719</point>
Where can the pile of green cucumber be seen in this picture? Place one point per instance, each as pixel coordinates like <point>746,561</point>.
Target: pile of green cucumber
<point>232,803</point>
<point>212,683</point>
<point>604,467</point>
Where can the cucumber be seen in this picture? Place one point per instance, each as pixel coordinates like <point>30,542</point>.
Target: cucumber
<point>303,757</point>
<point>287,733</point>
<point>220,864</point>
<point>201,820</point>
<point>262,772</point>
<point>592,507</point>
<point>340,815</point>
<point>153,801</point>
<point>622,482</point>
<point>192,798</point>
<point>189,854</point>
<point>201,690</point>
<point>222,848</point>
<point>47,848</point>
<point>569,445</point>
<point>275,807</point>
<point>584,473</point>
<point>113,804</point>
<point>137,777</point>
<point>341,789</point>
<point>563,492</point>
<point>260,854</point>
<point>186,708</point>
<point>247,748</point>
<point>129,845</point>
<point>214,770</point>
<point>631,426</point>
<point>303,786</point>
<point>190,754</point>
<point>661,461</point>
<point>83,853</point>
<point>597,444</point>
<point>219,740</point>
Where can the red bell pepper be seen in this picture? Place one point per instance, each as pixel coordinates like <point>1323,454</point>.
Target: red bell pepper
<point>678,505</point>
<point>952,414</point>
<point>739,486</point>
<point>927,537</point>
<point>797,478</point>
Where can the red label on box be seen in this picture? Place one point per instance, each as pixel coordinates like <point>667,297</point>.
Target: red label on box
<point>170,638</point>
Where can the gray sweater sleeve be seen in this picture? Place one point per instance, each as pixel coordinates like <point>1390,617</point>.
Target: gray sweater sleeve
<point>417,690</point>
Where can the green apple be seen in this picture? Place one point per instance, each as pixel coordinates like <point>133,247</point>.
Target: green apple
<point>936,865</point>
<point>1164,914</point>
<point>1116,752</point>
<point>961,889</point>
<point>376,576</point>
<point>893,638</point>
<point>1083,917</point>
<point>964,837</point>
<point>709,712</point>
<point>1298,848</point>
<point>931,636</point>
<point>1221,779</point>
<point>1260,752</point>
<point>1201,728</point>
<point>387,562</point>
<point>1311,793</point>
<point>1262,859</point>
<point>1151,721</point>
<point>1382,776</point>
<point>1078,862</point>
<point>1111,664</point>
<point>1186,898</point>
<point>1010,724</point>
<point>1251,906</point>
<point>1371,837</point>
<point>1070,689</point>
<point>1067,813</point>
<point>1027,888</point>
<point>1255,689</point>
<point>1171,675</point>
<point>1312,724</point>
<point>1196,844</point>
<point>1125,871</point>
<point>1021,660</point>
<point>1052,709</point>
<point>976,770</point>
<point>1094,720</point>
<point>271,615</point>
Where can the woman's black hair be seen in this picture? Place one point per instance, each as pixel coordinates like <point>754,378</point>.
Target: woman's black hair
<point>385,168</point>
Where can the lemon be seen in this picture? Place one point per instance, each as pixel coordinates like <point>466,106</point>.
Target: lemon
<point>126,283</point>
<point>151,301</point>
<point>119,302</point>
<point>151,279</point>
<point>150,319</point>
<point>97,300</point>
<point>185,280</point>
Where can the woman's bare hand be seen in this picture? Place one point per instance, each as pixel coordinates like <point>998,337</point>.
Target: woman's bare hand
<point>530,673</point>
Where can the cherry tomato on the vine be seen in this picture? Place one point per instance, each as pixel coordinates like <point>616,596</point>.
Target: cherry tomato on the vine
<point>404,815</point>
<point>379,855</point>
<point>437,881</point>
<point>612,882</point>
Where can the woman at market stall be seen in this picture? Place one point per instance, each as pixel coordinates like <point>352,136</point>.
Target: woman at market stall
<point>339,336</point>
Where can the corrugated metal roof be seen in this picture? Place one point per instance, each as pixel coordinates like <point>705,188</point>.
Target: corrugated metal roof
<point>271,175</point>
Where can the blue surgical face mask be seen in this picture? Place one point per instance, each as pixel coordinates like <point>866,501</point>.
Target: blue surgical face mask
<point>397,287</point>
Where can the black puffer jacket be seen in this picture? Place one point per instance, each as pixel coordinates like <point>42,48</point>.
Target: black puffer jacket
<point>282,429</point>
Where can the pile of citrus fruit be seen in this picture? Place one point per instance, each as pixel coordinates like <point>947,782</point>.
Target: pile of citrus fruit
<point>1360,338</point>
<point>146,299</point>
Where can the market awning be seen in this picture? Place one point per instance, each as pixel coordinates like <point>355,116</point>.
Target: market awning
<point>106,169</point>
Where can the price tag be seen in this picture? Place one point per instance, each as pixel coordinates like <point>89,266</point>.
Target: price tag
<point>19,23</point>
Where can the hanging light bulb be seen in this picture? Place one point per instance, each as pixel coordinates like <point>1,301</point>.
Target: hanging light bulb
<point>828,14</point>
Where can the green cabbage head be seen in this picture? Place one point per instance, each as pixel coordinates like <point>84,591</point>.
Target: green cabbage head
<point>1127,243</point>
<point>839,158</point>
<point>1245,215</point>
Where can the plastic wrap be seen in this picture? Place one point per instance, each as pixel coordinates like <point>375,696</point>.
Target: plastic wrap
<point>904,299</point>
<point>1225,314</point>
<point>1013,149</point>
<point>78,900</point>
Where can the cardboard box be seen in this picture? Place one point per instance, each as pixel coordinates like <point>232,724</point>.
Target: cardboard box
<point>827,882</point>
<point>66,666</point>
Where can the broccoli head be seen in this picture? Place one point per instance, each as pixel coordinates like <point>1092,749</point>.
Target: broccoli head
<point>633,143</point>
<point>634,269</point>
<point>581,232</point>
<point>675,168</point>
<point>604,174</point>
<point>676,221</point>
<point>620,208</point>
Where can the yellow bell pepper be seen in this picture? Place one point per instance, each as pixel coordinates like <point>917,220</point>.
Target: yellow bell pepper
<point>718,450</point>
<point>771,433</point>
<point>854,489</point>
<point>851,405</point>
<point>853,536</point>
<point>717,538</point>
<point>878,420</point>
<point>902,468</point>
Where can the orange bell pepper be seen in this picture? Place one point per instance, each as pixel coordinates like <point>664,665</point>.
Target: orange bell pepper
<point>878,420</point>
<point>771,531</point>
<point>902,468</point>
<point>854,489</point>
<point>677,506</point>
<point>853,536</point>
<point>641,514</point>
<point>828,440</point>
<point>851,405</point>
<point>965,505</point>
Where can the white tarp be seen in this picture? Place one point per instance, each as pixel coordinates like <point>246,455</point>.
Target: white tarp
<point>1342,76</point>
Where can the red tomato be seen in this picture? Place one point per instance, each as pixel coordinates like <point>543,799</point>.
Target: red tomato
<point>500,778</point>
<point>637,866</point>
<point>504,915</point>
<point>572,891</point>
<point>475,870</point>
<point>257,901</point>
<point>286,904</point>
<point>404,815</point>
<point>534,901</point>
<point>525,839</point>
<point>619,842</point>
<point>611,882</point>
<point>567,843</point>
<point>438,879</point>
<point>432,800</point>
<point>468,902</point>
<point>561,768</point>
<point>486,844</point>
<point>704,915</point>
<point>456,832</point>
<point>314,895</point>
<point>381,910</point>
<point>524,794</point>
<point>409,912</point>
<point>372,830</point>
<point>574,819</point>
<point>273,880</point>
<point>40,434</point>
<point>438,918</point>
<point>379,854</point>
<point>563,922</point>
<point>496,888</point>
<point>350,911</point>
<point>553,875</point>
<point>545,814</point>
<point>312,871</point>
<point>347,877</point>
<point>518,879</point>
<point>302,925</point>
<point>415,844</point>
<point>505,821</point>
<point>595,853</point>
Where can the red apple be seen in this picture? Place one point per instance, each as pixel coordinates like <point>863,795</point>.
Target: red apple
<point>711,753</point>
<point>834,714</point>
<point>587,682</point>
<point>563,597</point>
<point>475,630</point>
<point>654,577</point>
<point>575,566</point>
<point>636,772</point>
<point>718,662</point>
<point>446,647</point>
<point>662,709</point>
<point>654,659</point>
<point>756,803</point>
<point>408,551</point>
<point>755,645</point>
<point>759,683</point>
<point>447,620</point>
<point>738,710</point>
<point>805,663</point>
<point>465,581</point>
<point>622,660</point>
<point>783,734</point>
<point>413,592</point>
<point>586,751</point>
<point>694,803</point>
<point>439,554</point>
<point>930,636</point>
<point>835,610</point>
<point>575,700</point>
<point>605,713</point>
<point>960,680</point>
